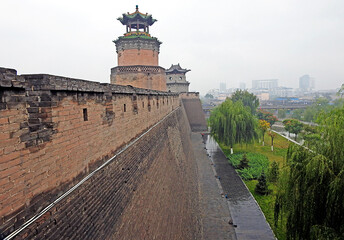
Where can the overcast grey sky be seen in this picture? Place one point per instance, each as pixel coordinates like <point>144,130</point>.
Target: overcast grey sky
<point>228,41</point>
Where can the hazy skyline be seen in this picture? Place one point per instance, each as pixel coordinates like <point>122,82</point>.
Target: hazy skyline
<point>220,41</point>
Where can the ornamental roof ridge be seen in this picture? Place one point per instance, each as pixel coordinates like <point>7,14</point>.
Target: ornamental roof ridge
<point>136,15</point>
<point>177,68</point>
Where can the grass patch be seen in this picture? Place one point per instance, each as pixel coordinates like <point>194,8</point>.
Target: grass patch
<point>257,163</point>
<point>280,149</point>
<point>267,204</point>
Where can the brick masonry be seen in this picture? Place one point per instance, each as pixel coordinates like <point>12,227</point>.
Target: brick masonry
<point>129,57</point>
<point>55,130</point>
<point>138,79</point>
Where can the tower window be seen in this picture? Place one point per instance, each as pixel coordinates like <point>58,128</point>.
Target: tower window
<point>124,108</point>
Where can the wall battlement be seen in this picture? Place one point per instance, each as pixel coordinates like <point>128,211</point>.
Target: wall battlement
<point>55,130</point>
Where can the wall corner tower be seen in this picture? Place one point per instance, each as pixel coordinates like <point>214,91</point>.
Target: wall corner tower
<point>176,79</point>
<point>138,54</point>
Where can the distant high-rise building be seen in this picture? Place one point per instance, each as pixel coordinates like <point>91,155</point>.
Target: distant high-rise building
<point>223,87</point>
<point>265,84</point>
<point>312,83</point>
<point>306,83</point>
<point>242,86</point>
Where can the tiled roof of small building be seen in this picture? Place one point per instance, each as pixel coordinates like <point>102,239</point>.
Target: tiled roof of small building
<point>176,69</point>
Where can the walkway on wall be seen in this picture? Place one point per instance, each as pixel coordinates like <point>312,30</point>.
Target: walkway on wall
<point>215,215</point>
<point>229,210</point>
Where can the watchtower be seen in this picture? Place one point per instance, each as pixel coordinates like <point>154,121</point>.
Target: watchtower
<point>138,54</point>
<point>176,79</point>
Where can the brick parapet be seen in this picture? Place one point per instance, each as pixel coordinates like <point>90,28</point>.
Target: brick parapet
<point>189,95</point>
<point>54,130</point>
<point>9,78</point>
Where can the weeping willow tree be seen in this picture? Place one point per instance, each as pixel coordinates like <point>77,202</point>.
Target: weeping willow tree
<point>311,195</point>
<point>232,122</point>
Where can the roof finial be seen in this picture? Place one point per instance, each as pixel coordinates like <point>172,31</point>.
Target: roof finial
<point>137,8</point>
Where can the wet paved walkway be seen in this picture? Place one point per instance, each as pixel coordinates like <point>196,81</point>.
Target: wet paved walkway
<point>245,212</point>
<point>215,215</point>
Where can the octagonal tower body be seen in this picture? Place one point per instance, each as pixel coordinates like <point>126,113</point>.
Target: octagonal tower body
<point>138,54</point>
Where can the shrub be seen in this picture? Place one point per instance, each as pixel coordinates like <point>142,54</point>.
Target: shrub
<point>243,162</point>
<point>262,186</point>
<point>256,164</point>
<point>273,172</point>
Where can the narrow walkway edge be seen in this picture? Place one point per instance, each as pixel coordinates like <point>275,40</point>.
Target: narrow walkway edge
<point>216,219</point>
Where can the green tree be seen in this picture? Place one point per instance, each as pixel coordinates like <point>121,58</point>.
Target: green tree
<point>297,114</point>
<point>272,135</point>
<point>312,197</point>
<point>210,96</point>
<point>309,114</point>
<point>248,99</point>
<point>263,126</point>
<point>293,126</point>
<point>262,186</point>
<point>267,116</point>
<point>243,162</point>
<point>282,113</point>
<point>338,102</point>
<point>287,125</point>
<point>296,127</point>
<point>341,91</point>
<point>273,172</point>
<point>320,105</point>
<point>232,122</point>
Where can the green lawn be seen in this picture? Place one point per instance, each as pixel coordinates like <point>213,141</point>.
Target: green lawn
<point>278,155</point>
<point>256,149</point>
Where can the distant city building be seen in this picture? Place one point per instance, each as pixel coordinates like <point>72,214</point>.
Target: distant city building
<point>282,92</point>
<point>223,87</point>
<point>242,86</point>
<point>265,84</point>
<point>176,79</point>
<point>263,96</point>
<point>306,83</point>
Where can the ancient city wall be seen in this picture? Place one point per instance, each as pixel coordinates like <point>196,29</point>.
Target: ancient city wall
<point>54,131</point>
<point>193,108</point>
